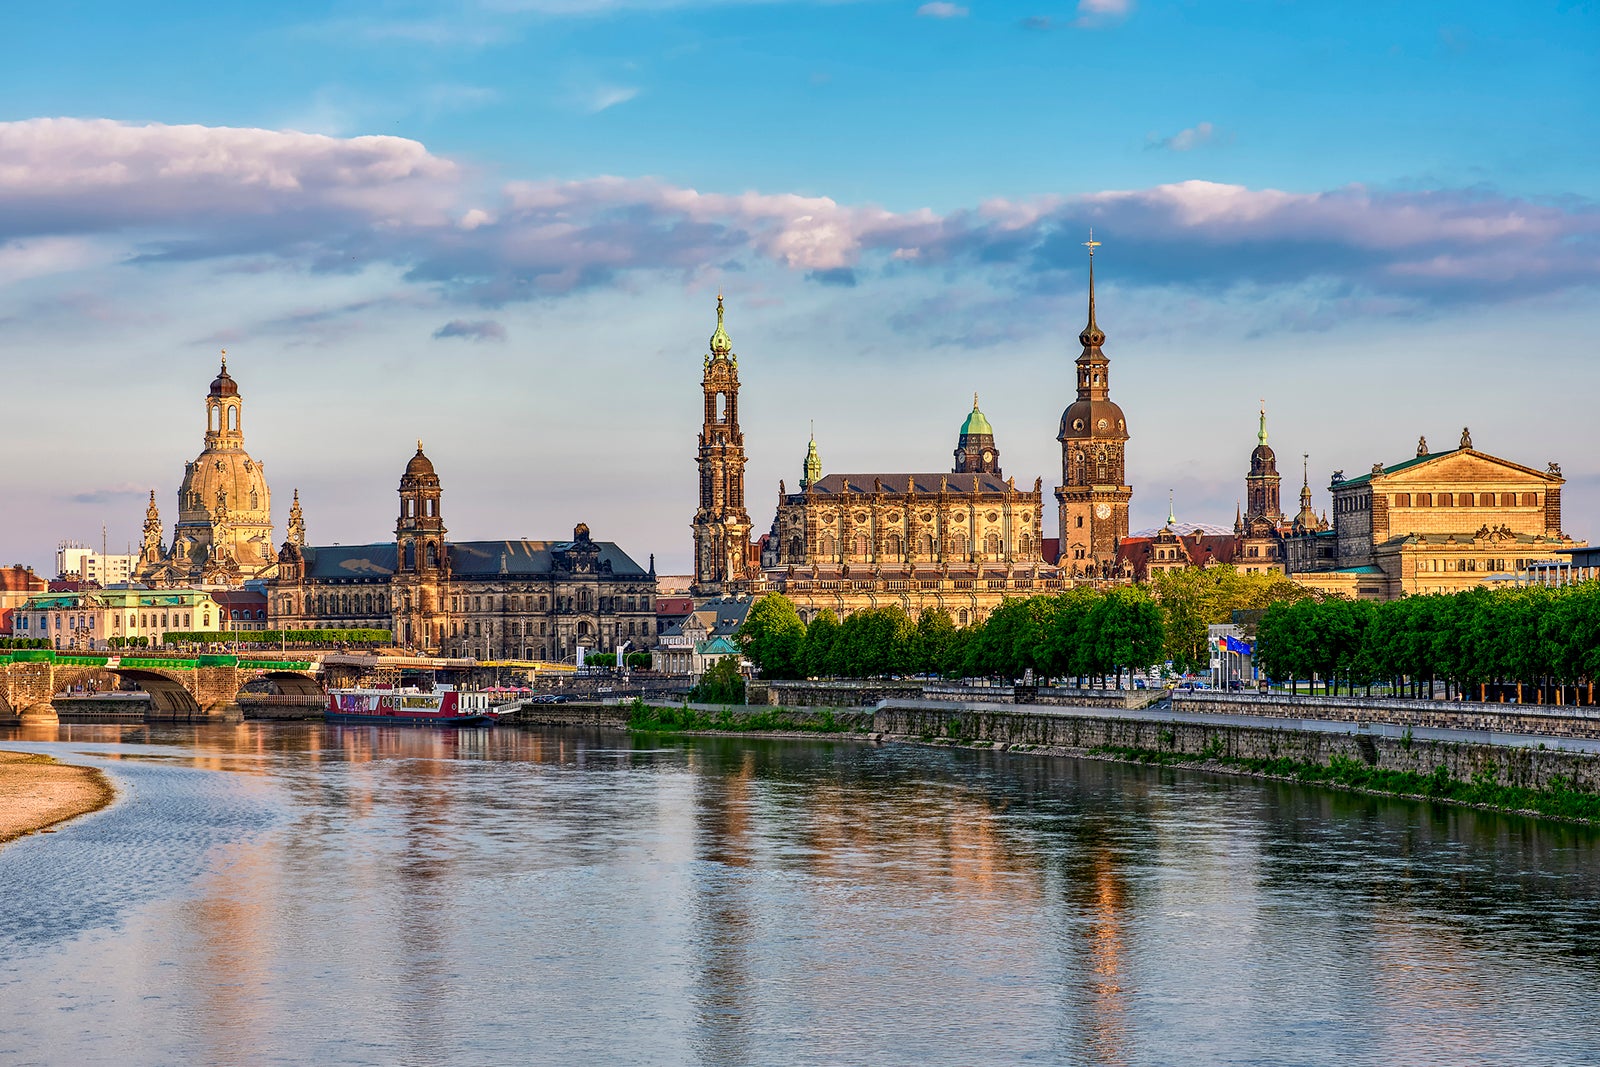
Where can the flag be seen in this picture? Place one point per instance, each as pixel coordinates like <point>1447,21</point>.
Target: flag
<point>1233,644</point>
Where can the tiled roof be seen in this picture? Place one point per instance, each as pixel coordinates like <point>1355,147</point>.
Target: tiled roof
<point>350,561</point>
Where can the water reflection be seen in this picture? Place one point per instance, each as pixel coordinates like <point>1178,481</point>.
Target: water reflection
<point>350,894</point>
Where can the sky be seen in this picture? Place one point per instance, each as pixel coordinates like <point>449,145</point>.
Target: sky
<point>500,226</point>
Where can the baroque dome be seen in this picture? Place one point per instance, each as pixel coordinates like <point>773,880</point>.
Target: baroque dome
<point>419,471</point>
<point>1099,419</point>
<point>224,475</point>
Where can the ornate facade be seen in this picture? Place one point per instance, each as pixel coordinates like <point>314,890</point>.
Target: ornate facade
<point>960,541</point>
<point>721,523</point>
<point>1093,496</point>
<point>1439,522</point>
<point>224,531</point>
<point>521,600</point>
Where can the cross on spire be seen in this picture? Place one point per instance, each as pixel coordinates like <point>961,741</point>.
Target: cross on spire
<point>1091,244</point>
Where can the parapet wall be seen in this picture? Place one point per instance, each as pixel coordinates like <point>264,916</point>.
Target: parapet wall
<point>867,692</point>
<point>1542,720</point>
<point>1526,767</point>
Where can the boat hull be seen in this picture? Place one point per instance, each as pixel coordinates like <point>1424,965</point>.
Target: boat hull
<point>412,720</point>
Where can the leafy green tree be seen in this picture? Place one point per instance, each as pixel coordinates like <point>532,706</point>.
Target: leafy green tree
<point>933,643</point>
<point>774,637</point>
<point>720,684</point>
<point>1129,632</point>
<point>822,639</point>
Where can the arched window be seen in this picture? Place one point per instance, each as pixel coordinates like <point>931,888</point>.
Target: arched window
<point>991,545</point>
<point>895,546</point>
<point>583,629</point>
<point>958,546</point>
<point>829,547</point>
<point>1101,468</point>
<point>797,549</point>
<point>925,546</point>
<point>1024,545</point>
<point>863,547</point>
<point>410,563</point>
<point>433,554</point>
<point>961,617</point>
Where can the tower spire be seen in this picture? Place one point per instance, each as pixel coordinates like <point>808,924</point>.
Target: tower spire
<point>1092,336</point>
<point>1261,434</point>
<point>721,343</point>
<point>1172,515</point>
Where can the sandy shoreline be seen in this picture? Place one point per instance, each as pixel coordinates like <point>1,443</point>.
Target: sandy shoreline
<point>36,792</point>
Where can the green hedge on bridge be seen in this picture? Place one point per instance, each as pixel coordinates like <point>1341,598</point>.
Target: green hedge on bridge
<point>279,638</point>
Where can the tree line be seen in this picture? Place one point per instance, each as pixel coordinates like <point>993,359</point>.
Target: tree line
<point>1081,634</point>
<point>1512,639</point>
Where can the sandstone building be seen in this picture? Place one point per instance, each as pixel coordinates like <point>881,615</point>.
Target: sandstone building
<point>515,599</point>
<point>1093,497</point>
<point>223,535</point>
<point>1438,522</point>
<point>722,563</point>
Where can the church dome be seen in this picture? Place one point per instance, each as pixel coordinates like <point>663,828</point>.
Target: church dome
<point>1100,419</point>
<point>1263,458</point>
<point>223,476</point>
<point>419,471</point>
<point>976,423</point>
<point>223,384</point>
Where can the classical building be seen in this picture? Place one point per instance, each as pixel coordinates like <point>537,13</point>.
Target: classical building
<point>960,541</point>
<point>1438,522</point>
<point>1093,496</point>
<point>692,645</point>
<point>523,600</point>
<point>224,531</point>
<point>722,563</point>
<point>95,618</point>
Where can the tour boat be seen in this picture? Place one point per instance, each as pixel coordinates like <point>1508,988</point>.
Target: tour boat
<point>442,707</point>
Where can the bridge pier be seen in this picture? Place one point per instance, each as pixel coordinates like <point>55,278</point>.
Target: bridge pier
<point>39,713</point>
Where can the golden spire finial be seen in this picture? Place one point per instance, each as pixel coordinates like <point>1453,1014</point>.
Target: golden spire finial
<point>974,400</point>
<point>224,359</point>
<point>1091,244</point>
<point>419,446</point>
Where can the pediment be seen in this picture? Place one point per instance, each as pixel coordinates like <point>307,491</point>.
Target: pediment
<point>1467,466</point>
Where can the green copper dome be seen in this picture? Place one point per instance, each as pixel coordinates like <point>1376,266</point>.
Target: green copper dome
<point>721,343</point>
<point>976,424</point>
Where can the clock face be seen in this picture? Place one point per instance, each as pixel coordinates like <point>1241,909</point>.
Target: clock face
<point>987,456</point>
<point>1102,511</point>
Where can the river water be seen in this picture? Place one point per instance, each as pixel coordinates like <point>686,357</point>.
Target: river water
<point>316,894</point>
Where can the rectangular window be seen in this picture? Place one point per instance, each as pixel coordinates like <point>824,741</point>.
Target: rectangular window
<point>1424,500</point>
<point>1530,500</point>
<point>1465,500</point>
<point>1402,500</point>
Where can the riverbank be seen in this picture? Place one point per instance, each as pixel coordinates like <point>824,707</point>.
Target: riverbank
<point>1548,783</point>
<point>36,793</point>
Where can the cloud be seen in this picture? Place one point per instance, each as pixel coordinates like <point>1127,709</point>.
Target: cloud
<point>111,494</point>
<point>1185,140</point>
<point>1092,13</point>
<point>942,9</point>
<point>480,330</point>
<point>608,96</point>
<point>258,198</point>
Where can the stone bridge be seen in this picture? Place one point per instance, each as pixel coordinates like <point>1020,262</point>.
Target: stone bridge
<point>180,688</point>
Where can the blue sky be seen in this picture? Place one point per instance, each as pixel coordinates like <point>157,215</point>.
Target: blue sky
<point>501,225</point>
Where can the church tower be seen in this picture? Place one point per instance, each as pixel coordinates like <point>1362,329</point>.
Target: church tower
<point>721,524</point>
<point>422,561</point>
<point>1093,495</point>
<point>1261,484</point>
<point>975,449</point>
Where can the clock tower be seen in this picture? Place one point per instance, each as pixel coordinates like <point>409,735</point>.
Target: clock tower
<point>1093,495</point>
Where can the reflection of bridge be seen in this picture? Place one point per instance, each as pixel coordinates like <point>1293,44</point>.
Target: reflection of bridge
<point>193,687</point>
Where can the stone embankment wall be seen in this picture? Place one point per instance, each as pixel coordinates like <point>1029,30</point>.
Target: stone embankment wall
<point>865,693</point>
<point>1542,720</point>
<point>577,713</point>
<point>105,708</point>
<point>1526,767</point>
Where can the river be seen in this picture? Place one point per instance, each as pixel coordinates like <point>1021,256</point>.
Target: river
<point>320,894</point>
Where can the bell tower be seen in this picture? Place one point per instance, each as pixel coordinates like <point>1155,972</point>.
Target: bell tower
<point>422,561</point>
<point>1261,484</point>
<point>1093,495</point>
<point>721,524</point>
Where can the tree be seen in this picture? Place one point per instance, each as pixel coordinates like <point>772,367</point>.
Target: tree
<point>774,637</point>
<point>720,684</point>
<point>1128,631</point>
<point>933,643</point>
<point>1197,597</point>
<point>822,636</point>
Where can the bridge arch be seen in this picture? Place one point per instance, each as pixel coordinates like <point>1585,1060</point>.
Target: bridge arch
<point>168,696</point>
<point>293,683</point>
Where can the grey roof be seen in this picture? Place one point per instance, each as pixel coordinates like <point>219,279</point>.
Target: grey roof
<point>468,559</point>
<point>350,561</point>
<point>476,559</point>
<point>834,484</point>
